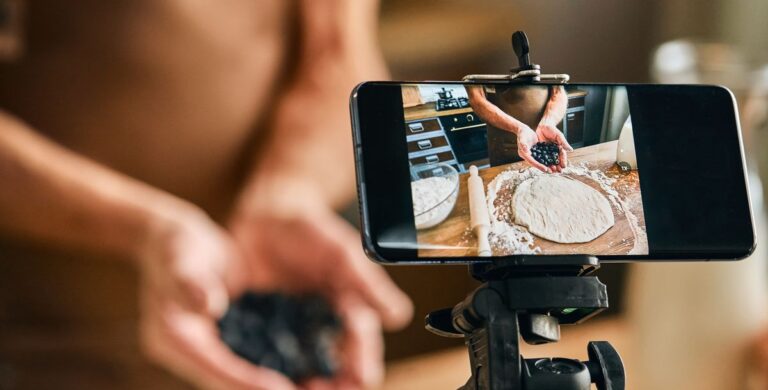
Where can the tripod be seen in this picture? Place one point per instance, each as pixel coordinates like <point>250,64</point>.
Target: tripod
<point>530,297</point>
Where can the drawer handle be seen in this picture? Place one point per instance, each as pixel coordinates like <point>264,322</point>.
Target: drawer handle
<point>432,159</point>
<point>571,116</point>
<point>467,127</point>
<point>416,127</point>
<point>425,144</point>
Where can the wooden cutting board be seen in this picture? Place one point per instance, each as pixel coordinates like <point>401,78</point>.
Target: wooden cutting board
<point>453,236</point>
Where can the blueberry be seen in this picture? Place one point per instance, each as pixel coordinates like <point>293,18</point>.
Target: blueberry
<point>296,335</point>
<point>547,153</point>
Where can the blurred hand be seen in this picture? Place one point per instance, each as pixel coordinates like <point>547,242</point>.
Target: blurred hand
<point>550,133</point>
<point>187,270</point>
<point>316,251</point>
<point>757,363</point>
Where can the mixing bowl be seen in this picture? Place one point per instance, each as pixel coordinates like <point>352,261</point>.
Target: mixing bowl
<point>434,189</point>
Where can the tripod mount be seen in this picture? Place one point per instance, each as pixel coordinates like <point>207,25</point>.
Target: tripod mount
<point>529,297</point>
<point>525,72</point>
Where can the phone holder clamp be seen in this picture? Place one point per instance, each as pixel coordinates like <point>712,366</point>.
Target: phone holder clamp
<point>525,72</point>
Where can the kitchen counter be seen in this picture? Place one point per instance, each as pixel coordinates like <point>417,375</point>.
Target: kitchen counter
<point>456,238</point>
<point>427,110</point>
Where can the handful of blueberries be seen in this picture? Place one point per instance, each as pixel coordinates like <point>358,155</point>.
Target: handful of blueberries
<point>295,335</point>
<point>547,153</point>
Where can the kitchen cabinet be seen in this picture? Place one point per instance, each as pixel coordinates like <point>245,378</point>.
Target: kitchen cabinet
<point>455,136</point>
<point>574,122</point>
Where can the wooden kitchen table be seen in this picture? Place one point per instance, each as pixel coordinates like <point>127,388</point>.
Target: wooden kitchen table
<point>453,237</point>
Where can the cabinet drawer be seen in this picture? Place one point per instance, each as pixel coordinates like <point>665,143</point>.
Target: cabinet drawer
<point>433,158</point>
<point>423,126</point>
<point>578,101</point>
<point>426,144</point>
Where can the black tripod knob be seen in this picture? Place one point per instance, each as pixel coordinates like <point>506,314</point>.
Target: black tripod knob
<point>522,48</point>
<point>605,366</point>
<point>555,374</point>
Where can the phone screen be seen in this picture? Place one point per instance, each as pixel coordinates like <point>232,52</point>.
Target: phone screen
<point>495,170</point>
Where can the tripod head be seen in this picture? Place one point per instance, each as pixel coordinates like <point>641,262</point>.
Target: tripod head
<point>529,298</point>
<point>525,72</point>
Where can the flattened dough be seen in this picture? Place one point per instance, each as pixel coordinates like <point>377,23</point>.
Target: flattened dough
<point>561,209</point>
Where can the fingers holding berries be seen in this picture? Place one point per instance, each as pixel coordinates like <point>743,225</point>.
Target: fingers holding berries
<point>549,154</point>
<point>526,141</point>
<point>526,154</point>
<point>563,142</point>
<point>553,147</point>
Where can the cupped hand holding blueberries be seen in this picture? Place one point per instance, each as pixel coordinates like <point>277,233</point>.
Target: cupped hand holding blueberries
<point>311,258</point>
<point>545,149</point>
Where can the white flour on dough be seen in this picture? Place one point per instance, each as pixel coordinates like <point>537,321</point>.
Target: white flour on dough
<point>561,209</point>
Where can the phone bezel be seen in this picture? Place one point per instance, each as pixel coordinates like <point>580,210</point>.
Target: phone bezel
<point>374,251</point>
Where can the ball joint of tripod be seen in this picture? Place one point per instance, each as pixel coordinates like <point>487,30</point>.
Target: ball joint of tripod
<point>604,368</point>
<point>556,373</point>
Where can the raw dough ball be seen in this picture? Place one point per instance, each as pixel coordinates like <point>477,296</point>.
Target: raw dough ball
<point>561,209</point>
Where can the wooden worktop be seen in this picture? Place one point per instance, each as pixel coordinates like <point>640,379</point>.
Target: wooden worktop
<point>455,236</point>
<point>427,110</point>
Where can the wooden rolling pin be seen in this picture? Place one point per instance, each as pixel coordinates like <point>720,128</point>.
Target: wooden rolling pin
<point>478,212</point>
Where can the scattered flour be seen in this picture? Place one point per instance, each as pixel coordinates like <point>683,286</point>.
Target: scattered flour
<point>605,182</point>
<point>506,237</point>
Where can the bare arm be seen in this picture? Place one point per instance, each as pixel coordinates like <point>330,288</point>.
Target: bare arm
<point>52,195</point>
<point>49,194</point>
<point>556,107</point>
<point>308,154</point>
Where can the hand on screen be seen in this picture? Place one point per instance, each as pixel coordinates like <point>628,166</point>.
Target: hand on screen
<point>526,138</point>
<point>549,133</point>
<point>314,250</point>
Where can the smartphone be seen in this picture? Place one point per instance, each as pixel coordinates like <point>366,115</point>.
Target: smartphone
<point>451,172</point>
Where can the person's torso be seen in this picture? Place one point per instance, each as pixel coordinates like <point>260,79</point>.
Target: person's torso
<point>169,92</point>
<point>525,103</point>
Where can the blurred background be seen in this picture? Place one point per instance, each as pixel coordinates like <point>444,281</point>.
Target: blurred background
<point>637,41</point>
<point>684,320</point>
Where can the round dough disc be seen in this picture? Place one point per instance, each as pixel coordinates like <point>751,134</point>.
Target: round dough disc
<point>561,209</point>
